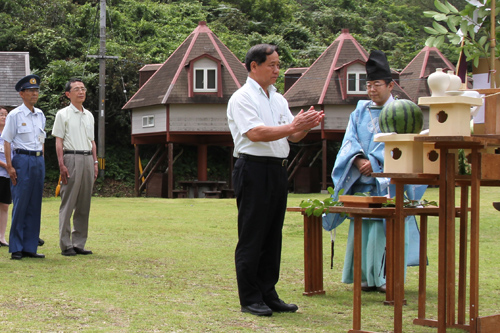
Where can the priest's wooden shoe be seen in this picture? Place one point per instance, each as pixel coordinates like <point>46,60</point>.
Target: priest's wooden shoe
<point>258,309</point>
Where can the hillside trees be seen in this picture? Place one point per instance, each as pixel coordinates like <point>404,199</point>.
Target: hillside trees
<point>60,34</point>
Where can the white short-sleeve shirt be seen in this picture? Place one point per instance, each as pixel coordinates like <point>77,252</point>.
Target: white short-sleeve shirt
<point>25,129</point>
<point>250,107</point>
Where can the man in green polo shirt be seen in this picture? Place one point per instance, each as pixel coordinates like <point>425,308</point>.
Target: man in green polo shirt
<point>76,154</point>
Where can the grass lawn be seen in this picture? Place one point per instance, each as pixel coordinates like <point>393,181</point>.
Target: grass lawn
<point>167,265</point>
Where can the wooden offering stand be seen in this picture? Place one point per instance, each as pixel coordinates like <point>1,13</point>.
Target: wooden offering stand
<point>362,201</point>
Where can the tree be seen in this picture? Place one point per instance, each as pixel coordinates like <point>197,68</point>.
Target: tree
<point>472,23</point>
<point>59,34</point>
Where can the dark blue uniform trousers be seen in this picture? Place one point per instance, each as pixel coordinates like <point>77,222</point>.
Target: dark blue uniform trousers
<point>27,202</point>
<point>261,194</point>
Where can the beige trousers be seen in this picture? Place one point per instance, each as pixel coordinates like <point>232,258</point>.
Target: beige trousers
<point>75,200</point>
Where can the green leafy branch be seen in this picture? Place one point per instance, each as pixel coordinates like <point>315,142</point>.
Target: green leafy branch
<point>475,29</point>
<point>407,203</point>
<point>317,207</point>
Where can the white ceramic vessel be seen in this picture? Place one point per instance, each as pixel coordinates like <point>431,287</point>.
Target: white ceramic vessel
<point>438,82</point>
<point>455,82</point>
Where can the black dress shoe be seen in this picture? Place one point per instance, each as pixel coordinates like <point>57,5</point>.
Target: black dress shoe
<point>82,251</point>
<point>33,255</point>
<point>40,242</point>
<point>4,244</point>
<point>69,252</point>
<point>278,305</point>
<point>16,255</point>
<point>258,309</point>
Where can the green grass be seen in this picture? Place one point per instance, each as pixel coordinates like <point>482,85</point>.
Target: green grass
<point>162,265</point>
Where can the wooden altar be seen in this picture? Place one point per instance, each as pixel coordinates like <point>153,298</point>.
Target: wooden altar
<point>452,306</point>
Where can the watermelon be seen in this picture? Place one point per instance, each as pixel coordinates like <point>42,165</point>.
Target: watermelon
<point>401,116</point>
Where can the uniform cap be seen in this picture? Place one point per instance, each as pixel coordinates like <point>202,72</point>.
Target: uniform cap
<point>28,82</point>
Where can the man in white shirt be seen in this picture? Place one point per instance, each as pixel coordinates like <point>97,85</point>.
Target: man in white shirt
<point>261,123</point>
<point>76,154</point>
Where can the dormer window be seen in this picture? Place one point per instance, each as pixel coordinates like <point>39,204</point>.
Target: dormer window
<point>356,79</point>
<point>205,75</point>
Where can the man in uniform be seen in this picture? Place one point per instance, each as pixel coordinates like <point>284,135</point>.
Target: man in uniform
<point>76,154</point>
<point>24,135</point>
<point>260,123</point>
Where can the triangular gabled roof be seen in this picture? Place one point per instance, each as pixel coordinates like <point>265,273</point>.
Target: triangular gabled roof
<point>413,78</point>
<point>169,84</point>
<point>324,82</point>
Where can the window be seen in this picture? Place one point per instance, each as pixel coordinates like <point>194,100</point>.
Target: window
<point>205,76</point>
<point>148,121</point>
<point>205,80</point>
<point>356,83</point>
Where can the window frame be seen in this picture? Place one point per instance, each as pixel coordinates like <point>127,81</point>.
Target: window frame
<point>358,89</point>
<point>150,121</point>
<point>205,70</point>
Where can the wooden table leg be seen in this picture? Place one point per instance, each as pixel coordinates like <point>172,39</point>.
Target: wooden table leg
<point>399,252</point>
<point>462,261</point>
<point>313,256</point>
<point>442,243</point>
<point>318,256</point>
<point>356,315</point>
<point>422,268</point>
<point>389,261</point>
<point>474,239</point>
<point>450,240</point>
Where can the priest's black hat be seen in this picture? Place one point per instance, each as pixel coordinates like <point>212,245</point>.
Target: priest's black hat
<point>377,67</point>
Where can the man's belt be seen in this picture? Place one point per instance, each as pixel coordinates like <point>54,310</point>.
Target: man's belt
<point>265,159</point>
<point>79,152</point>
<point>29,152</point>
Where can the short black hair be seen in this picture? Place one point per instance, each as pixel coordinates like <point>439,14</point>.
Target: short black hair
<point>259,53</point>
<point>72,80</point>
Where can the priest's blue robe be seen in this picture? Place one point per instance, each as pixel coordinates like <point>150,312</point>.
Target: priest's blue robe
<point>358,141</point>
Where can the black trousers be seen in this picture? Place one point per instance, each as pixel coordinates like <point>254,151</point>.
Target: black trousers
<point>261,193</point>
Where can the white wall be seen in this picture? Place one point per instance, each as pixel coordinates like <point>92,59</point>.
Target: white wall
<point>160,114</point>
<point>198,118</point>
<point>183,118</point>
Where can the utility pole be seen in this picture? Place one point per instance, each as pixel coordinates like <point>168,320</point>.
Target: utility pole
<point>102,89</point>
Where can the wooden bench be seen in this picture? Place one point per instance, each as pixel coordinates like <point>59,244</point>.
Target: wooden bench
<point>212,194</point>
<point>179,193</point>
<point>227,193</point>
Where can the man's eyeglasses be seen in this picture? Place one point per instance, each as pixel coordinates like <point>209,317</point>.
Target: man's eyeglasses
<point>78,89</point>
<point>374,86</point>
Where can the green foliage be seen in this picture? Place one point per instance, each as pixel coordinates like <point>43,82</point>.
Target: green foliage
<point>474,23</point>
<point>118,163</point>
<point>317,207</point>
<point>60,34</point>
